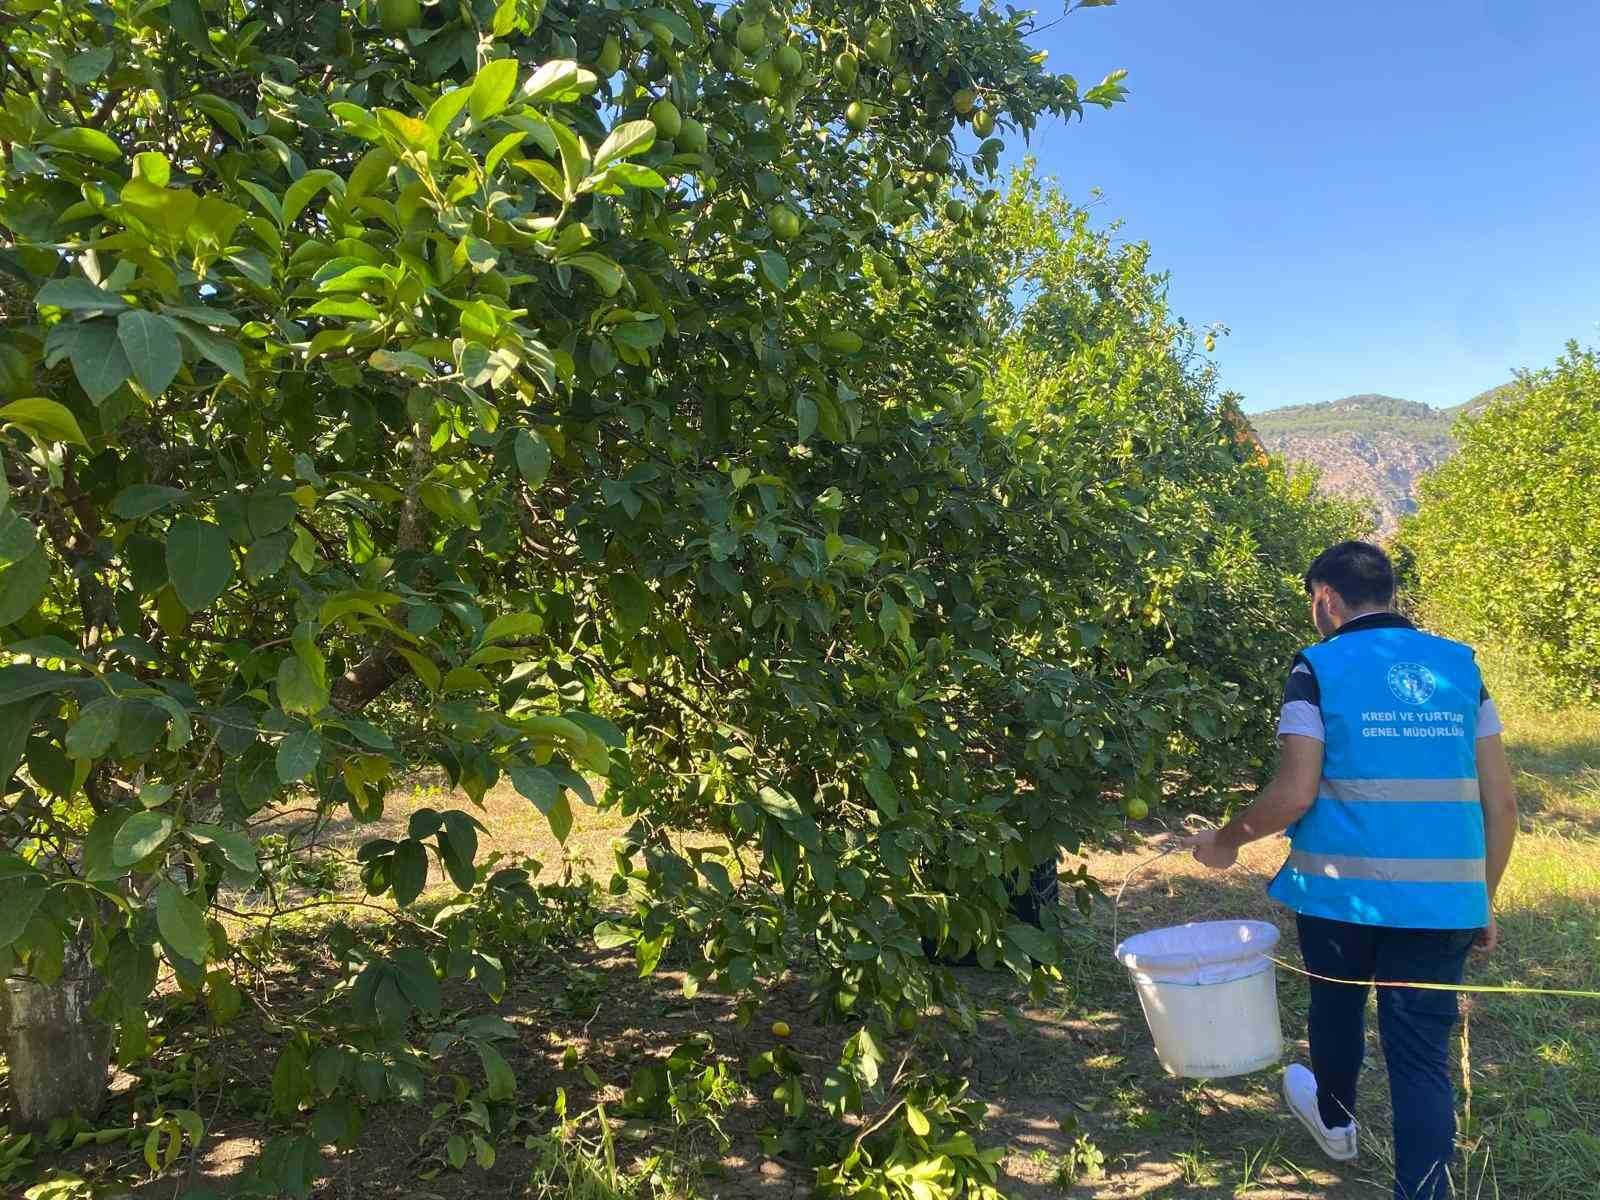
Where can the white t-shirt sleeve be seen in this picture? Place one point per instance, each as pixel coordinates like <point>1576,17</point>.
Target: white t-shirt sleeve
<point>1302,710</point>
<point>1489,722</point>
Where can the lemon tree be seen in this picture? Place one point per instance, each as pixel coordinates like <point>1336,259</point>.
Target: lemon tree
<point>552,393</point>
<point>1503,548</point>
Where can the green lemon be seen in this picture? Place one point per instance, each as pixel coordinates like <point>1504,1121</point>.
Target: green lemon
<point>1136,808</point>
<point>693,136</point>
<point>609,60</point>
<point>727,56</point>
<point>752,36</point>
<point>856,116</point>
<point>964,101</point>
<point>789,61</point>
<point>784,222</point>
<point>954,211</point>
<point>845,69</point>
<point>881,44</point>
<point>938,157</point>
<point>844,341</point>
<point>767,79</point>
<point>397,16</point>
<point>901,83</point>
<point>983,122</point>
<point>667,119</point>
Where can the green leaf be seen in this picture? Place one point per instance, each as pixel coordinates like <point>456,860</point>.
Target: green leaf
<point>269,511</point>
<point>883,792</point>
<point>189,23</point>
<point>301,687</point>
<point>19,899</point>
<point>626,140</point>
<point>93,733</point>
<point>198,562</point>
<point>608,935</point>
<point>88,65</point>
<point>775,267</point>
<point>16,725</point>
<point>151,344</point>
<point>778,804</point>
<point>22,681</point>
<point>419,984</point>
<point>165,210</point>
<point>142,499</point>
<point>90,143</point>
<point>632,600</point>
<point>214,222</point>
<point>917,1120</point>
<point>235,845</point>
<point>511,625</point>
<point>44,419</point>
<point>17,542</point>
<point>492,88</point>
<point>302,190</point>
<point>500,1083</point>
<point>533,456</point>
<point>541,787</point>
<point>805,412</point>
<point>443,111</point>
<point>298,755</point>
<point>1035,943</point>
<point>214,348</point>
<point>78,295</point>
<point>98,359</point>
<point>140,836</point>
<point>607,274</point>
<point>22,585</point>
<point>409,871</point>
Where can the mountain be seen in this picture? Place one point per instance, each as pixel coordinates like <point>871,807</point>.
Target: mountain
<point>1369,448</point>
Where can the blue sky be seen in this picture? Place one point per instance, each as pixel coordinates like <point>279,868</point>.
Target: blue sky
<point>1398,197</point>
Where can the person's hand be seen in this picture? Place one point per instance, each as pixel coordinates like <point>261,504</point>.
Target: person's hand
<point>1211,851</point>
<point>1488,936</point>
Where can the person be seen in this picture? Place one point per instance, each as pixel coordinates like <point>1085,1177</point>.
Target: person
<point>1394,787</point>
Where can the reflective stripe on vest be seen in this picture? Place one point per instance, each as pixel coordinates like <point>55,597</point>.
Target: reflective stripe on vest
<point>1440,791</point>
<point>1398,870</point>
<point>1396,834</point>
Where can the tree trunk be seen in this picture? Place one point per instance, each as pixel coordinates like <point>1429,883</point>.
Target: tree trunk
<point>57,1052</point>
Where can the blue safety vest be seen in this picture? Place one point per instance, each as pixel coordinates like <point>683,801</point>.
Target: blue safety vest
<point>1396,834</point>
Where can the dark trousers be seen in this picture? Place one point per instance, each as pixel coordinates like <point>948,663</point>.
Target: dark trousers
<point>1415,1027</point>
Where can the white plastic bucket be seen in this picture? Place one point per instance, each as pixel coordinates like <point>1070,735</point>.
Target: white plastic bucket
<point>1209,994</point>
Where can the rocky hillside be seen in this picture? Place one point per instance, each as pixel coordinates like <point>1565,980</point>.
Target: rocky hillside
<point>1370,448</point>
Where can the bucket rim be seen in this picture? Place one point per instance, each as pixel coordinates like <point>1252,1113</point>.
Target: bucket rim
<point>1262,939</point>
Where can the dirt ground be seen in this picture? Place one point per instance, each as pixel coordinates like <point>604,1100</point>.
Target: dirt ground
<point>1078,1071</point>
<point>1083,1060</point>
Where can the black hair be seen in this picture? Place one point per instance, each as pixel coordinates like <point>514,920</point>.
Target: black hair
<point>1359,571</point>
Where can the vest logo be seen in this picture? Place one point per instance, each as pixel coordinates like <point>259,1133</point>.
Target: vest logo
<point>1412,683</point>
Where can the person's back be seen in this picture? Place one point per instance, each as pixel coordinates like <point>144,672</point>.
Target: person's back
<point>1396,793</point>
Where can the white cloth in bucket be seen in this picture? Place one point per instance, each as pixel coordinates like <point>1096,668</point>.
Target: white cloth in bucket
<point>1210,996</point>
<point>1201,952</point>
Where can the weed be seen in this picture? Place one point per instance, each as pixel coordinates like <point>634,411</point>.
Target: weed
<point>1197,1168</point>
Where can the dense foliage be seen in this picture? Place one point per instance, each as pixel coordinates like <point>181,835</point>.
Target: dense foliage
<point>577,392</point>
<point>1505,547</point>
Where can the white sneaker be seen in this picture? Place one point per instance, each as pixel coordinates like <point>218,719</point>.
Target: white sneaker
<point>1300,1093</point>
